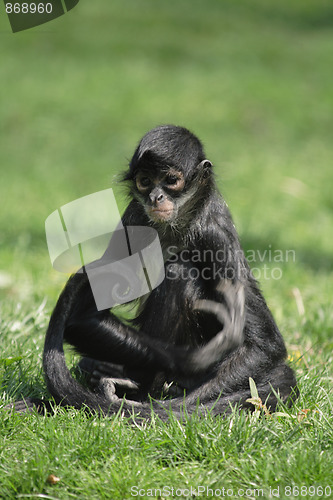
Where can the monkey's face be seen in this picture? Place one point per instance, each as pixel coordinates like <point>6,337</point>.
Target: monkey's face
<point>159,193</point>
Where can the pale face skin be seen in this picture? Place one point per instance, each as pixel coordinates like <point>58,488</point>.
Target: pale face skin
<point>160,205</point>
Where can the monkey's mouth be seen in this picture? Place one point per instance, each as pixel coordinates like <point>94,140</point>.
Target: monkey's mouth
<point>157,214</point>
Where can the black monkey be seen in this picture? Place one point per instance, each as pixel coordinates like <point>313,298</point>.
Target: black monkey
<point>204,330</point>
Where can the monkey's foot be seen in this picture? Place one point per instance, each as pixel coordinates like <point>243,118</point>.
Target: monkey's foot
<point>107,377</point>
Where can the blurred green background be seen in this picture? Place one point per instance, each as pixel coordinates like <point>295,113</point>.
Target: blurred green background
<point>253,79</point>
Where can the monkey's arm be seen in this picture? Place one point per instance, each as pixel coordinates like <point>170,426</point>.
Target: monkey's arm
<point>102,336</point>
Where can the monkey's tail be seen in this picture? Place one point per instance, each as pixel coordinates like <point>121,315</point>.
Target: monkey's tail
<point>57,375</point>
<point>65,390</point>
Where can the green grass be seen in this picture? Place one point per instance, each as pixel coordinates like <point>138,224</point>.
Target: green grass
<point>254,80</point>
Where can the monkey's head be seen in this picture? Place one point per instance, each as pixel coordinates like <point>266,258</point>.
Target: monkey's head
<point>169,174</point>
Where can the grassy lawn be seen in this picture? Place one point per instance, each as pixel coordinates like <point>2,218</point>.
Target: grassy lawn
<point>253,79</point>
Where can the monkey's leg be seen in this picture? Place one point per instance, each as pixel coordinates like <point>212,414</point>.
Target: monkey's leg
<point>280,386</point>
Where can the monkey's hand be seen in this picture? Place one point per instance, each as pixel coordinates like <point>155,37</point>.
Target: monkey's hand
<point>108,378</point>
<point>230,312</point>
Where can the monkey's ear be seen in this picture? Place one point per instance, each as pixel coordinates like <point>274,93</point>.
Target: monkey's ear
<point>205,166</point>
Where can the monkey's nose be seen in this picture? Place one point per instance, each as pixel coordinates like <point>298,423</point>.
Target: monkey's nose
<point>156,197</point>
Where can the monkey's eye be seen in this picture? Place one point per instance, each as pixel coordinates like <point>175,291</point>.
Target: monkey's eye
<point>143,182</point>
<point>174,181</point>
<point>171,179</point>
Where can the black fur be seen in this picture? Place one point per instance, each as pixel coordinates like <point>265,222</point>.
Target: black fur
<point>194,333</point>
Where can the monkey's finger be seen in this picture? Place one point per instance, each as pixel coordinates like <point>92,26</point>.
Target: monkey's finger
<point>210,306</point>
<point>234,296</point>
<point>119,383</point>
<point>107,388</point>
<point>173,390</point>
<point>126,383</point>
